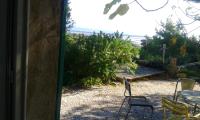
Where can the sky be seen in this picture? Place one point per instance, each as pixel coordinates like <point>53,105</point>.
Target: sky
<point>88,14</point>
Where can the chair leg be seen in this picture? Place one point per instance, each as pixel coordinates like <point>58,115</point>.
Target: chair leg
<point>118,114</point>
<point>177,97</point>
<point>195,108</point>
<point>152,112</point>
<point>175,92</point>
<point>126,117</point>
<point>164,114</point>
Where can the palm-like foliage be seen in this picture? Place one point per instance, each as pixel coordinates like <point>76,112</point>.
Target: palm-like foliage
<point>98,56</point>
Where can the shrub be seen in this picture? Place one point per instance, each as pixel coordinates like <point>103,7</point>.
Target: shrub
<point>89,81</point>
<point>172,68</point>
<point>191,71</point>
<point>193,49</point>
<point>97,56</point>
<point>178,45</point>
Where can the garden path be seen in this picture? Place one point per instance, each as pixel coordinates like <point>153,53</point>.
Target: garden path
<point>103,102</point>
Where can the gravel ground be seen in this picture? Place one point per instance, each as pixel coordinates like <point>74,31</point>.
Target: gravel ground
<point>103,103</point>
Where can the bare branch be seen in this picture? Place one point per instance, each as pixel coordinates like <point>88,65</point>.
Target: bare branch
<point>194,29</point>
<point>151,10</point>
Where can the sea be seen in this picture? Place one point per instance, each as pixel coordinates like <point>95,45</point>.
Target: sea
<point>135,39</point>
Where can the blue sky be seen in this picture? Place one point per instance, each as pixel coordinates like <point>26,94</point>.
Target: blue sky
<point>88,15</point>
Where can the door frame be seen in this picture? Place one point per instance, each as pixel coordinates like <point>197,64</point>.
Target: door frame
<point>15,13</point>
<point>63,5</point>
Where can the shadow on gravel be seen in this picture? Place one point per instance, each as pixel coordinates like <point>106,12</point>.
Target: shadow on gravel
<point>108,110</point>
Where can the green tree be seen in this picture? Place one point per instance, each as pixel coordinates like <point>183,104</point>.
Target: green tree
<point>69,21</point>
<point>178,45</point>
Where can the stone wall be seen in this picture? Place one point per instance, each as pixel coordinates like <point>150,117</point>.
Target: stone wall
<point>43,51</point>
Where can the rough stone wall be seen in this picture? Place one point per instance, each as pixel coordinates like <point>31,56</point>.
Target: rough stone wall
<point>43,51</point>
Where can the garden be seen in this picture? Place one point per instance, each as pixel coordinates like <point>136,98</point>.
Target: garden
<point>91,88</point>
<point>95,59</point>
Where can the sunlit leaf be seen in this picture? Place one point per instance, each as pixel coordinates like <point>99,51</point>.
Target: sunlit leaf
<point>173,40</point>
<point>189,8</point>
<point>108,6</point>
<point>113,15</point>
<point>183,50</point>
<point>121,10</point>
<point>116,1</point>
